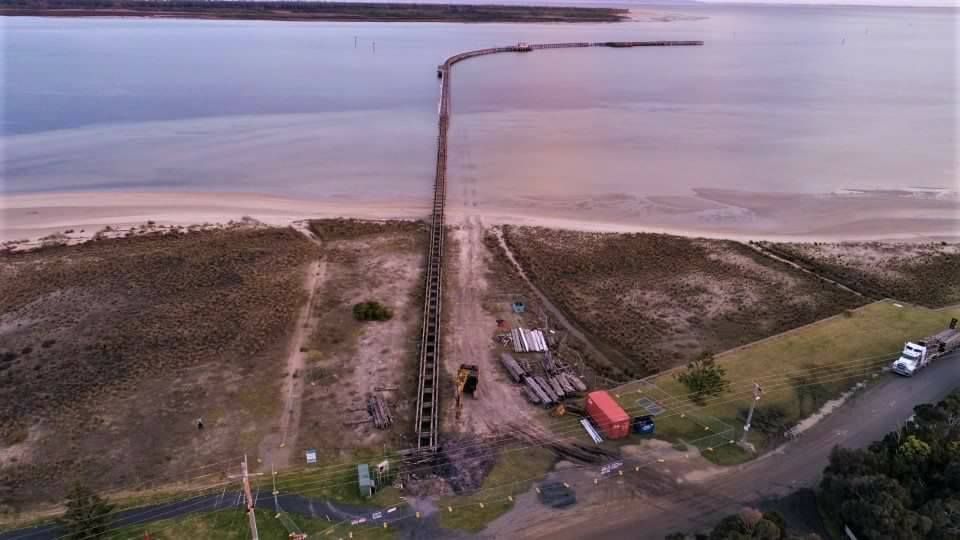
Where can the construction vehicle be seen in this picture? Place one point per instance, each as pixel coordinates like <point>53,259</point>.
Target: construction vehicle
<point>563,408</point>
<point>918,355</point>
<point>468,377</point>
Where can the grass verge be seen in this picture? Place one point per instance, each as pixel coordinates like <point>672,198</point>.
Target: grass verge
<point>800,371</point>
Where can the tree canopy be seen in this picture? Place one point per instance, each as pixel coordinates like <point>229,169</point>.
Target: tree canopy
<point>87,515</point>
<point>748,524</point>
<point>905,486</point>
<point>704,378</point>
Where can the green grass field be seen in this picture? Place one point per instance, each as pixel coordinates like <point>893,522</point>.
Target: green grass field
<point>799,372</point>
<point>511,476</point>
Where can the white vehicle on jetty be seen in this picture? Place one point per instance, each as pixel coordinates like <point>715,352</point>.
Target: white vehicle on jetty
<point>916,356</point>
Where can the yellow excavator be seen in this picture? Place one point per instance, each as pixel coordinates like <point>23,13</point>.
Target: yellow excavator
<point>468,376</point>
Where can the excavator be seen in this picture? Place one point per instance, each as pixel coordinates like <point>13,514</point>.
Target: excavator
<point>468,376</point>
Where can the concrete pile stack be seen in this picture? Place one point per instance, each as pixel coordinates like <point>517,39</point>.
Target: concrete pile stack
<point>528,340</point>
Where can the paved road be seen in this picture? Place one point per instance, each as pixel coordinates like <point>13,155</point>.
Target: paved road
<point>864,419</point>
<point>293,504</point>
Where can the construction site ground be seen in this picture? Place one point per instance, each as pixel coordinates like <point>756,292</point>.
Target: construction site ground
<point>346,360</point>
<point>476,298</point>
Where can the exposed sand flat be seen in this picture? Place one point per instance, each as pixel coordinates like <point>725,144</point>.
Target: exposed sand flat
<point>36,215</point>
<point>710,213</point>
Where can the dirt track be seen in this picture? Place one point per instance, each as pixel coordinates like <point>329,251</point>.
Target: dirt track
<point>469,340</point>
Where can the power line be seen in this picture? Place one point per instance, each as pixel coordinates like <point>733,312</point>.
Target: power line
<point>492,448</point>
<point>830,371</point>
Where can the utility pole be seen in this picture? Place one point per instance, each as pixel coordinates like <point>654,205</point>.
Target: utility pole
<point>757,392</point>
<point>248,494</point>
<point>251,515</point>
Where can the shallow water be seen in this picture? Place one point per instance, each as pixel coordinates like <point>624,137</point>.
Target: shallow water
<point>780,99</point>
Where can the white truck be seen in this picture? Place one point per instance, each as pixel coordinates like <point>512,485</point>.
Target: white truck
<point>916,356</point>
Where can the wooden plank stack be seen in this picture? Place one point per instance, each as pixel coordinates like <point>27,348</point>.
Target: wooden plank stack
<point>380,412</point>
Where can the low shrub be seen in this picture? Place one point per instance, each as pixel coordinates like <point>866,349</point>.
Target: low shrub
<point>371,311</point>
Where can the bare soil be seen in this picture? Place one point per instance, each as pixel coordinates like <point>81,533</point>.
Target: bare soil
<point>112,349</point>
<point>346,360</point>
<point>660,300</point>
<point>474,301</point>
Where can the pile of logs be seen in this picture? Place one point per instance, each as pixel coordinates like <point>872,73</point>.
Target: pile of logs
<point>380,412</point>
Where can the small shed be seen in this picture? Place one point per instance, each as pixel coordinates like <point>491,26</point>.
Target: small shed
<point>518,307</point>
<point>363,479</point>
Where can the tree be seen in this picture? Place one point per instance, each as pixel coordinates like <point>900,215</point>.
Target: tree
<point>87,515</point>
<point>904,486</point>
<point>748,524</point>
<point>704,378</point>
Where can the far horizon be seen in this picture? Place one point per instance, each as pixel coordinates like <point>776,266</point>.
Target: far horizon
<point>688,3</point>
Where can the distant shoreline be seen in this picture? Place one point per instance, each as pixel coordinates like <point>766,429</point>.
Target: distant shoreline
<point>278,10</point>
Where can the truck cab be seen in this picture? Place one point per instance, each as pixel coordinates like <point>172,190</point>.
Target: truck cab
<point>913,357</point>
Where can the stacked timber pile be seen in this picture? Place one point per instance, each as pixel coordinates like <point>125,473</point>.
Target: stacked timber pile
<point>549,364</point>
<point>574,381</point>
<point>378,409</point>
<point>556,382</point>
<point>516,372</point>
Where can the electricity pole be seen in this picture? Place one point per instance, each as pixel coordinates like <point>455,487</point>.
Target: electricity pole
<point>248,494</point>
<point>251,515</point>
<point>757,392</point>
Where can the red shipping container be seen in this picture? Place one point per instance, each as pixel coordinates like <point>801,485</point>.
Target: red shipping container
<point>608,415</point>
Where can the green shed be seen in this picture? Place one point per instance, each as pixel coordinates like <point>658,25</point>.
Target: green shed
<point>363,478</point>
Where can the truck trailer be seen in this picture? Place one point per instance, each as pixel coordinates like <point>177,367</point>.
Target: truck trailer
<point>918,355</point>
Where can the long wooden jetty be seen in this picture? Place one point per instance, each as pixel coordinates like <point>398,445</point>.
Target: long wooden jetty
<point>428,409</point>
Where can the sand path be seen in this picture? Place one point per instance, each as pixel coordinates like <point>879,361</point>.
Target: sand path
<point>278,447</point>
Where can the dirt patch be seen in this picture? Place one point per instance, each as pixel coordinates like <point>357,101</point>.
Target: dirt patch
<point>346,360</point>
<point>924,274</point>
<point>113,348</point>
<point>465,462</point>
<point>661,300</point>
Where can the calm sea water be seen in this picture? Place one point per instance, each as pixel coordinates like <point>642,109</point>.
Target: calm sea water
<point>779,99</point>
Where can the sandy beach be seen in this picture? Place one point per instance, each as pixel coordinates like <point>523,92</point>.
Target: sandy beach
<point>905,216</point>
